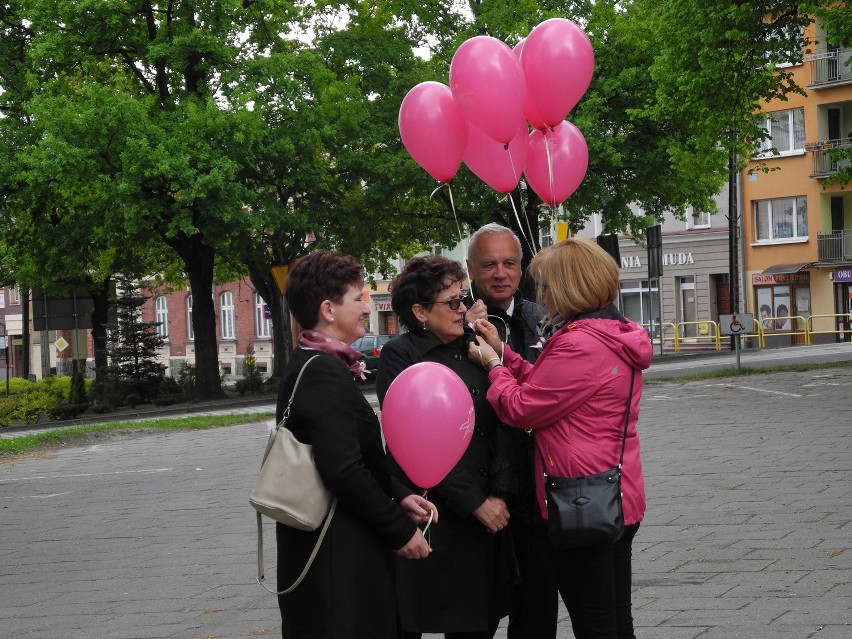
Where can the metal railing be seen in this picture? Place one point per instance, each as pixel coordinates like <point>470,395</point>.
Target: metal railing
<point>664,328</point>
<point>712,334</point>
<point>834,246</point>
<point>823,154</point>
<point>839,320</point>
<point>829,67</point>
<point>767,327</point>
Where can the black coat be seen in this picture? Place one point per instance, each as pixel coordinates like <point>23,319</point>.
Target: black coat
<point>463,586</point>
<point>521,328</point>
<point>349,591</point>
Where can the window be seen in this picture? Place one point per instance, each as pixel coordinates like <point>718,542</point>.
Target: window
<point>786,131</point>
<point>161,311</point>
<point>226,314</point>
<point>638,299</point>
<point>14,295</point>
<point>190,332</point>
<point>545,235</point>
<point>261,323</point>
<point>782,219</point>
<point>696,219</point>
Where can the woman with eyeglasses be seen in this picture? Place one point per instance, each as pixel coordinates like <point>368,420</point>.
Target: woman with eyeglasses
<point>462,588</point>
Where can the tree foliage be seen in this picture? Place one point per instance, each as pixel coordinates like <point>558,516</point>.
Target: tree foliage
<point>179,138</point>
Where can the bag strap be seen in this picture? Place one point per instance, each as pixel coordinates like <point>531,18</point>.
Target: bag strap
<point>261,577</point>
<point>286,413</point>
<point>627,416</point>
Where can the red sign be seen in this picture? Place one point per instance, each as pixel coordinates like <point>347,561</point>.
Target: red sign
<point>761,279</point>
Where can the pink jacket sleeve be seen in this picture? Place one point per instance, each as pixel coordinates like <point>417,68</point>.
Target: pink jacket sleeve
<point>536,396</point>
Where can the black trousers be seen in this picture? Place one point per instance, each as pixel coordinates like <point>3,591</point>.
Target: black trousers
<point>535,601</point>
<point>595,584</point>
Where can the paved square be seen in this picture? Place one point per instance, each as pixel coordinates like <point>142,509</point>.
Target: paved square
<point>747,533</point>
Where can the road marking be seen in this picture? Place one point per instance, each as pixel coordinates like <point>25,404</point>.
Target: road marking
<point>759,390</point>
<point>118,472</point>
<point>45,496</point>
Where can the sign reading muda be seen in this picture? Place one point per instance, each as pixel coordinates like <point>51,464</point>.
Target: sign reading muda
<point>669,259</point>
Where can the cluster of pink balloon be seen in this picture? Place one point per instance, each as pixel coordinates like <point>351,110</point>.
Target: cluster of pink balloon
<point>481,118</point>
<point>427,421</point>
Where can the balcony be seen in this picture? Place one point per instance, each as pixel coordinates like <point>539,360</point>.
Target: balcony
<point>823,162</point>
<point>835,246</point>
<point>829,67</point>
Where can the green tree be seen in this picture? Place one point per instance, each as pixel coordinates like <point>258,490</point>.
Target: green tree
<point>134,344</point>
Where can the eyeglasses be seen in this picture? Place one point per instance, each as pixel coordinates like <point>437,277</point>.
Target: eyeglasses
<point>453,303</point>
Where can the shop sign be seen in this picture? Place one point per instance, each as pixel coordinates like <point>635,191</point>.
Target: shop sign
<point>669,259</point>
<point>843,274</point>
<point>383,307</point>
<point>762,279</point>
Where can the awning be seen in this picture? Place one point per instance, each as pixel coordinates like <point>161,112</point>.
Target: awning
<point>778,269</point>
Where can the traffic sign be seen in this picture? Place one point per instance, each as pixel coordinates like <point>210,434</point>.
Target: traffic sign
<point>736,324</point>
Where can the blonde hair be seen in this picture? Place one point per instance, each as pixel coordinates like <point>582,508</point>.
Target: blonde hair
<point>578,276</point>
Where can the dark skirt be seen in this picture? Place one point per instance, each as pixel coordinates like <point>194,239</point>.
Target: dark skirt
<point>349,591</point>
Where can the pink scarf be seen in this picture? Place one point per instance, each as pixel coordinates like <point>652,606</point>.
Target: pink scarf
<point>327,344</point>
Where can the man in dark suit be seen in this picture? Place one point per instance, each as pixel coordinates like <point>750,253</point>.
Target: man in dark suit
<point>494,266</point>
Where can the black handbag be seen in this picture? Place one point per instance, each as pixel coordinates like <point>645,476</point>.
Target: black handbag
<point>586,510</point>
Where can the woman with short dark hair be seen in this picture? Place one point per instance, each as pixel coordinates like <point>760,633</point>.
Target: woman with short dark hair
<point>462,588</point>
<point>349,591</point>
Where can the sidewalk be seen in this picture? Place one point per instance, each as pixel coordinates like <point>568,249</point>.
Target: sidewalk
<point>747,533</point>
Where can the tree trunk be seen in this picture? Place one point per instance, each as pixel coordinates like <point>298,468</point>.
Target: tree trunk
<point>100,321</point>
<point>198,264</point>
<point>265,285</point>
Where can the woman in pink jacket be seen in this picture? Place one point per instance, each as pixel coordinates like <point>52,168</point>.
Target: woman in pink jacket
<point>574,399</point>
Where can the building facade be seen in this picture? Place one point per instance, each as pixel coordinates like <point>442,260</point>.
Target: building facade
<point>797,233</point>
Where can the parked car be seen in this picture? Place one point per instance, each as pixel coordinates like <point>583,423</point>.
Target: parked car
<point>370,346</point>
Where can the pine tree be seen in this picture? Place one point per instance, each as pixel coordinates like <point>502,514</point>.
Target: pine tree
<point>133,345</point>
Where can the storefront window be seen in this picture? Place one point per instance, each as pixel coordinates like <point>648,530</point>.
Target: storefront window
<point>782,300</point>
<point>640,302</point>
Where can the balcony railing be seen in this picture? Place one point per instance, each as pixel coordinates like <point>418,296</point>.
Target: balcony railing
<point>830,67</point>
<point>824,163</point>
<point>835,246</point>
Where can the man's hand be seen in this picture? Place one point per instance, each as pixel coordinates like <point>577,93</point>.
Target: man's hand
<point>478,310</point>
<point>493,514</point>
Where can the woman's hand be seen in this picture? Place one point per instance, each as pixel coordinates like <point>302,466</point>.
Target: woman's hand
<point>419,509</point>
<point>416,548</point>
<point>488,332</point>
<point>493,514</point>
<point>483,355</point>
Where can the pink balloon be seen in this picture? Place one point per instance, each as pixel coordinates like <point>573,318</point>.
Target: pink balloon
<point>488,84</point>
<point>498,165</point>
<point>556,162</point>
<point>558,63</point>
<point>530,112</point>
<point>427,419</point>
<point>433,129</point>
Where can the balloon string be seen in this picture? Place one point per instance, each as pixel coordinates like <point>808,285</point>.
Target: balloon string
<point>426,532</point>
<point>455,217</point>
<point>548,134</point>
<point>521,226</point>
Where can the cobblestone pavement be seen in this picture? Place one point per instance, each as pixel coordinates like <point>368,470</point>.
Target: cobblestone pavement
<point>747,533</point>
